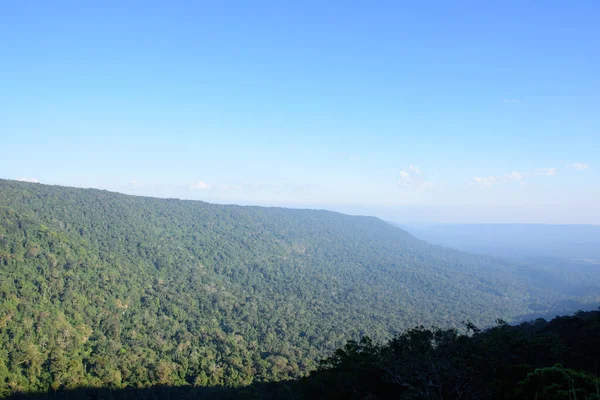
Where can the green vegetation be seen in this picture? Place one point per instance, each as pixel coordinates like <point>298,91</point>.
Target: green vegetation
<point>99,289</point>
<point>553,360</point>
<point>536,360</point>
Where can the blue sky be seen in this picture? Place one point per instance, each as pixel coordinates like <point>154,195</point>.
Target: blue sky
<point>436,111</point>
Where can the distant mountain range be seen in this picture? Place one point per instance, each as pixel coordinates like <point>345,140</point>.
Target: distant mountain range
<point>515,241</point>
<point>563,259</point>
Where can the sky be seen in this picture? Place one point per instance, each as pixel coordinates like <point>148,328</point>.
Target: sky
<point>428,112</point>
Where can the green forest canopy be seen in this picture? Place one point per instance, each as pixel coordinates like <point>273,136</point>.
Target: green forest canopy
<point>101,289</point>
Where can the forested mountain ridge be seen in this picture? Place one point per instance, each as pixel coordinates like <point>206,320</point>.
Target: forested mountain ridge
<point>104,289</point>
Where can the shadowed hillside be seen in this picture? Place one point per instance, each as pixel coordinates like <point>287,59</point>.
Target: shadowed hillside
<point>534,360</point>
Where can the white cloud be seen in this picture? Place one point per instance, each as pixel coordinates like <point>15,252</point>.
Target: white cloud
<point>405,176</point>
<point>488,181</point>
<point>415,169</point>
<point>514,176</point>
<point>30,180</point>
<point>545,172</point>
<point>412,178</point>
<point>199,185</point>
<point>580,166</point>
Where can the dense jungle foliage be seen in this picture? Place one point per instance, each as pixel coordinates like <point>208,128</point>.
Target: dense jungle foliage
<point>99,289</point>
<point>534,360</point>
<point>553,360</point>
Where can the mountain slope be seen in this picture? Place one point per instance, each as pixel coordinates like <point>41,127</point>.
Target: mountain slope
<point>559,259</point>
<point>100,288</point>
<point>515,241</point>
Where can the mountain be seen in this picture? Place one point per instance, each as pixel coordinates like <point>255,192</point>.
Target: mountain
<point>563,259</point>
<point>104,289</point>
<point>515,241</point>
